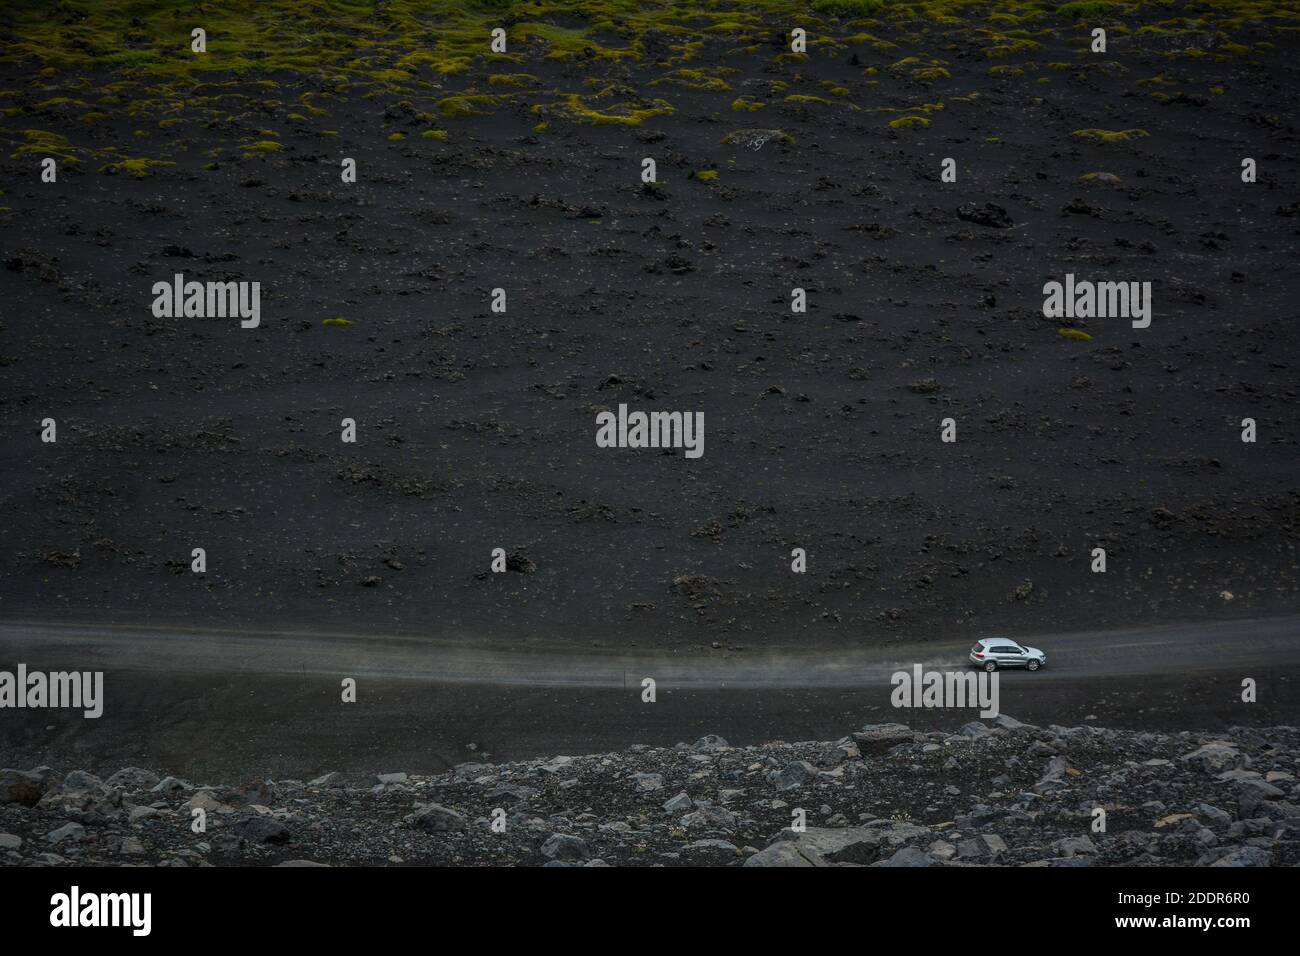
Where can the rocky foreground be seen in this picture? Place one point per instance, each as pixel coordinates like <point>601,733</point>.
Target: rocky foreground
<point>994,793</point>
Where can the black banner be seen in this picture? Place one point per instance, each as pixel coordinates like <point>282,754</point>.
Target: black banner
<point>337,905</point>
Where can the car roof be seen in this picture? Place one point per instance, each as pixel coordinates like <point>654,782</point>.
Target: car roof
<point>997,640</point>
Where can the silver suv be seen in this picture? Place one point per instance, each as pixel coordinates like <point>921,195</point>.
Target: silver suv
<point>994,652</point>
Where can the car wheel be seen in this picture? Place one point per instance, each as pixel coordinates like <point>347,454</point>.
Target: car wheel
<point>990,667</point>
<point>1033,664</point>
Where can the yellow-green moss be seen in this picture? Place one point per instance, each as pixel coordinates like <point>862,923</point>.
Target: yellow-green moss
<point>513,80</point>
<point>930,74</point>
<point>573,108</point>
<point>1085,9</point>
<point>1009,47</point>
<point>276,48</point>
<point>848,8</point>
<point>42,143</point>
<point>1109,136</point>
<point>56,101</point>
<point>805,98</point>
<point>465,105</point>
<point>696,80</point>
<point>451,65</point>
<point>139,168</point>
<point>261,148</point>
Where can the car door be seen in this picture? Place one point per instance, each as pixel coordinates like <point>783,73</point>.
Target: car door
<point>1010,655</point>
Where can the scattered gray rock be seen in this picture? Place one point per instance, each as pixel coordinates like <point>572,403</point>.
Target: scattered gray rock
<point>710,817</point>
<point>261,829</point>
<point>132,779</point>
<point>678,804</point>
<point>1214,815</point>
<point>982,847</point>
<point>137,814</point>
<point>885,733</point>
<point>1007,722</point>
<point>562,846</point>
<point>170,785</point>
<point>886,796</point>
<point>81,782</point>
<point>1056,768</point>
<point>786,854</point>
<point>1216,757</point>
<point>1075,846</point>
<point>710,846</point>
<point>21,787</point>
<point>68,833</point>
<point>648,781</point>
<point>436,818</point>
<point>1245,856</point>
<point>508,794</point>
<point>795,775</point>
<point>908,856</point>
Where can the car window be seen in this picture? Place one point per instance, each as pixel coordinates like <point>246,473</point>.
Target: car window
<point>1005,649</point>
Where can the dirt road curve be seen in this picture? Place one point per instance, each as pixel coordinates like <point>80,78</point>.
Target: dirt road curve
<point>1163,650</point>
<point>203,702</point>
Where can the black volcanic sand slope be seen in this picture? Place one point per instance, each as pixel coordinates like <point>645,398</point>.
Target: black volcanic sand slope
<point>775,170</point>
